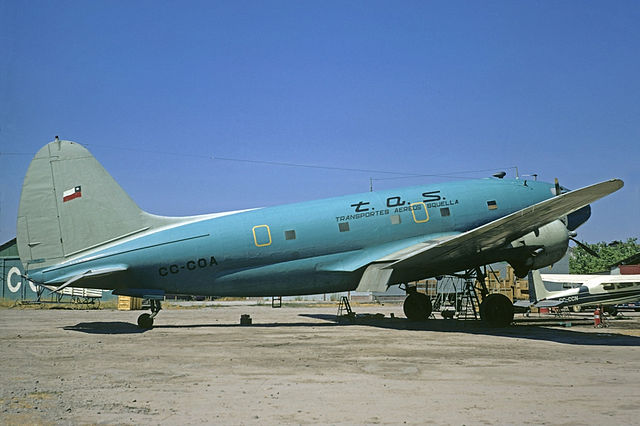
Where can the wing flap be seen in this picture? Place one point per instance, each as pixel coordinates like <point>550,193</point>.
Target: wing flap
<point>375,278</point>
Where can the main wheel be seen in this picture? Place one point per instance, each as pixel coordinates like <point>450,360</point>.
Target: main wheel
<point>417,307</point>
<point>145,321</point>
<point>496,310</point>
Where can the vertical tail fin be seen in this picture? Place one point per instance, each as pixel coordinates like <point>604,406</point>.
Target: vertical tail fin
<point>537,290</point>
<point>69,204</point>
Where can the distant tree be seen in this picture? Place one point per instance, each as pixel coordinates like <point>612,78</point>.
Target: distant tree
<point>581,262</point>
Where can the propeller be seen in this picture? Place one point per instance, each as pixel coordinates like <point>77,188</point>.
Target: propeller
<point>572,234</point>
<point>583,245</point>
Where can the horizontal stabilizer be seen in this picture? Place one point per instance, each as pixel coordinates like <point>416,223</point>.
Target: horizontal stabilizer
<point>549,303</point>
<point>541,304</point>
<point>522,303</point>
<point>88,278</point>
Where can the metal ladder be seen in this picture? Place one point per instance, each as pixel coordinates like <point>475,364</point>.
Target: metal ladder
<point>438,302</point>
<point>468,302</point>
<point>345,306</point>
<point>276,301</point>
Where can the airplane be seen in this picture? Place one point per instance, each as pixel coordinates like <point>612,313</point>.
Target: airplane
<point>77,227</point>
<point>588,290</point>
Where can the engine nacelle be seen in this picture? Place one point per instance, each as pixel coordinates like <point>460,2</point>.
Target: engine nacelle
<point>540,248</point>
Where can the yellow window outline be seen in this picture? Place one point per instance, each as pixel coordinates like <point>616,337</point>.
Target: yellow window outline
<point>255,239</point>
<point>414,214</point>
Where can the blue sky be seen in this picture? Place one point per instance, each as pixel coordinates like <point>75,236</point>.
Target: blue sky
<point>155,89</point>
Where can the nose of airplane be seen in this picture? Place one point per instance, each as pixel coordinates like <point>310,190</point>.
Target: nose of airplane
<point>577,218</point>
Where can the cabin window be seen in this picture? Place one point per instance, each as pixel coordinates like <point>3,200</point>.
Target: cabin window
<point>290,235</point>
<point>395,219</point>
<point>492,205</point>
<point>343,226</point>
<point>261,235</point>
<point>445,212</point>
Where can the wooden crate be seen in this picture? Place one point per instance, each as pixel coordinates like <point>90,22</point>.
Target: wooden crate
<point>127,303</point>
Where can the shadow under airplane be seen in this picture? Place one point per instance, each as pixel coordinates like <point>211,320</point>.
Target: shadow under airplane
<point>115,327</point>
<point>531,331</point>
<point>118,327</point>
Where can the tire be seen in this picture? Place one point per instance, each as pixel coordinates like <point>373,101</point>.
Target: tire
<point>496,310</point>
<point>145,321</point>
<point>447,314</point>
<point>417,307</point>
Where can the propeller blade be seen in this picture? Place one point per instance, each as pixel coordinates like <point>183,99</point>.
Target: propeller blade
<point>585,247</point>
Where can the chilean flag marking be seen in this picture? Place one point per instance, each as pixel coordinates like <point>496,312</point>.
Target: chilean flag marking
<point>72,193</point>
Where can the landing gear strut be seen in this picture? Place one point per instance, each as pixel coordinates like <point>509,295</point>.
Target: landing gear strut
<point>417,306</point>
<point>146,320</point>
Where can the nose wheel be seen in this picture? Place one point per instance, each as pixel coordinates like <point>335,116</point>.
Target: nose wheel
<point>146,320</point>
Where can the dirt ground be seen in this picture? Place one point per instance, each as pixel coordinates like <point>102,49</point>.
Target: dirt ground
<point>297,365</point>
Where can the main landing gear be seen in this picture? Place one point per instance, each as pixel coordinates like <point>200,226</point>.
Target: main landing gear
<point>146,320</point>
<point>496,309</point>
<point>417,306</point>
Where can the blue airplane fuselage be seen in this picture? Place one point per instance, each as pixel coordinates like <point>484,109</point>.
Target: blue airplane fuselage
<point>303,248</point>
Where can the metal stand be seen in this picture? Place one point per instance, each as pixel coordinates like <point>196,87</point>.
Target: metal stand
<point>468,301</point>
<point>345,306</point>
<point>276,301</point>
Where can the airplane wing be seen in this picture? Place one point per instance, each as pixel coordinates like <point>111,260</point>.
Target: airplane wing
<point>568,278</point>
<point>496,234</point>
<point>375,259</point>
